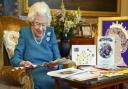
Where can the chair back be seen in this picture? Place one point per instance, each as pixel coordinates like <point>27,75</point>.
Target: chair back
<point>9,23</point>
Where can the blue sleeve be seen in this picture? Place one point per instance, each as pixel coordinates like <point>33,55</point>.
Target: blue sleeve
<point>19,50</point>
<point>55,49</point>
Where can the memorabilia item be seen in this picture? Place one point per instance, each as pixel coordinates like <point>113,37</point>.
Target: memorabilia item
<point>54,63</point>
<point>63,73</point>
<point>84,54</point>
<point>106,52</point>
<point>73,74</point>
<point>118,28</point>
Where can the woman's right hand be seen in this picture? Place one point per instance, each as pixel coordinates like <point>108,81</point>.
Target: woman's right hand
<point>26,64</point>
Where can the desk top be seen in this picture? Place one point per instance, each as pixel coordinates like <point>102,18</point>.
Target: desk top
<point>100,81</point>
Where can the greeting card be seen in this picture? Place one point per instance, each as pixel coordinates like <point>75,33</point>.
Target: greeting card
<point>84,54</point>
<point>106,51</point>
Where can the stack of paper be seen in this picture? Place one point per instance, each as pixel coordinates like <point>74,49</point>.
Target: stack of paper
<point>73,74</point>
<point>82,76</point>
<point>64,72</point>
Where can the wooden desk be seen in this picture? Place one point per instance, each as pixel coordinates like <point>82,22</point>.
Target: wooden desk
<point>115,82</point>
<point>82,41</point>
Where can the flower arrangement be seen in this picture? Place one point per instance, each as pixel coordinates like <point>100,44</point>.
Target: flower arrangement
<point>65,21</point>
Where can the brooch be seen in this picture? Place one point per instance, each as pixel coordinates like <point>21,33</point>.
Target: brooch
<point>48,39</point>
<point>48,36</point>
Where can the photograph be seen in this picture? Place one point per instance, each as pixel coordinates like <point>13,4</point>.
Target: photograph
<point>117,27</point>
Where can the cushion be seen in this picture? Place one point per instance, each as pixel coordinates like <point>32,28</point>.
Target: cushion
<point>10,40</point>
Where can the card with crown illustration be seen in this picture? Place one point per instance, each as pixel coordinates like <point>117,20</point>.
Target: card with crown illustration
<point>106,51</point>
<point>117,27</point>
<point>84,54</point>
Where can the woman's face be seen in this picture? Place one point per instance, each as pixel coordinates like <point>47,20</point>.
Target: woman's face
<point>39,25</point>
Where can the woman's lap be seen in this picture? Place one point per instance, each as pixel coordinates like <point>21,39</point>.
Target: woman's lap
<point>43,81</point>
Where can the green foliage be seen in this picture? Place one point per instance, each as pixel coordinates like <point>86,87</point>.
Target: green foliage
<point>65,21</point>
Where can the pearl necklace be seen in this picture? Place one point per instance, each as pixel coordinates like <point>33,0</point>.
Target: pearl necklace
<point>38,42</point>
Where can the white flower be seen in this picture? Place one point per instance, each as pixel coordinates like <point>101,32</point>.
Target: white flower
<point>65,20</point>
<point>49,34</point>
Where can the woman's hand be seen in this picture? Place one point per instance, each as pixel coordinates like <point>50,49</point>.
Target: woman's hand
<point>50,65</point>
<point>26,64</point>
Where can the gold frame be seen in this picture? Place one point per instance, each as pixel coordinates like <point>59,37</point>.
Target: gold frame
<point>105,22</point>
<point>84,13</point>
<point>101,19</point>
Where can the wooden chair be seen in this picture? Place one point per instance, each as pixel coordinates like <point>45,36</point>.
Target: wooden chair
<point>10,77</point>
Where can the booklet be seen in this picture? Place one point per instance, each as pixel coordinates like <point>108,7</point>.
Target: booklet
<point>54,63</point>
<point>82,76</point>
<point>73,74</point>
<point>60,61</point>
<point>63,73</point>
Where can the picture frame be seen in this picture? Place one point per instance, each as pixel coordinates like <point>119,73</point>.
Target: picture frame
<point>87,7</point>
<point>120,26</point>
<point>87,30</point>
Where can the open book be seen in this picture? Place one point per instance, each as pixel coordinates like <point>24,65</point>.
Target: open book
<point>55,62</point>
<point>63,73</point>
<point>60,61</point>
<point>73,74</point>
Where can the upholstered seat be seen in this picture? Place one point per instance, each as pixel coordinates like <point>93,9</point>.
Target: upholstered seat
<point>8,23</point>
<point>10,77</point>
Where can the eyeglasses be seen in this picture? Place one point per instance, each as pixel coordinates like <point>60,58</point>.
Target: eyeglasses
<point>37,24</point>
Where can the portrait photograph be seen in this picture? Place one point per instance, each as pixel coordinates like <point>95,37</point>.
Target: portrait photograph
<point>118,27</point>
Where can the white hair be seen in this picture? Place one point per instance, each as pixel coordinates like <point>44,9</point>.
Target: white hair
<point>40,8</point>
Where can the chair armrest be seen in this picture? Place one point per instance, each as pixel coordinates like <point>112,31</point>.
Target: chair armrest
<point>16,77</point>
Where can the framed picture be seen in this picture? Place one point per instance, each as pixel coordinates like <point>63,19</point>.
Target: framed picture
<point>87,7</point>
<point>117,27</point>
<point>87,30</point>
<point>54,4</point>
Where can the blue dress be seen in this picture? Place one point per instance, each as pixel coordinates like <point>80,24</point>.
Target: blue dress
<point>45,52</point>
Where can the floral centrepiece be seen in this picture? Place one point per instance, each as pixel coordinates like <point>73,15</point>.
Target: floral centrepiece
<point>65,22</point>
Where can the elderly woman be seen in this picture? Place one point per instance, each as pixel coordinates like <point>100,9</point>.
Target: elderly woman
<point>37,46</point>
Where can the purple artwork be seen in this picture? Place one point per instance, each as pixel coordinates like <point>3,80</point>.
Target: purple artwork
<point>121,29</point>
